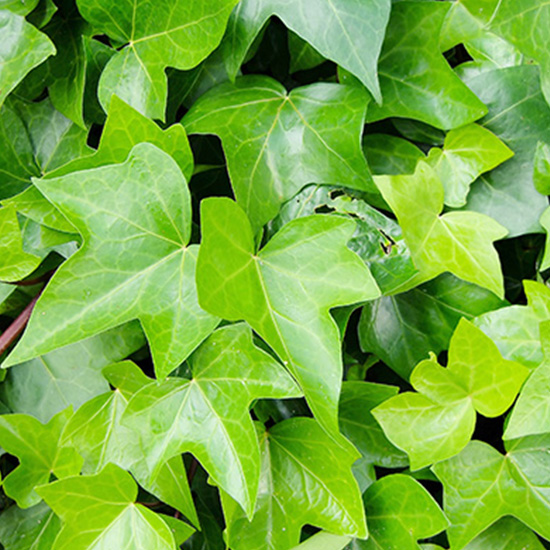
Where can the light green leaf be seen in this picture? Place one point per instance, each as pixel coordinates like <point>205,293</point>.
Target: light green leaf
<point>482,486</point>
<point>104,503</point>
<point>323,541</point>
<point>306,479</point>
<point>541,175</point>
<point>15,263</point>
<point>413,71</point>
<point>459,242</point>
<point>20,7</point>
<point>180,34</point>
<point>402,329</point>
<point>508,193</point>
<point>23,48</point>
<point>31,529</point>
<point>296,138</point>
<point>348,32</point>
<point>438,422</point>
<point>97,435</point>
<point>506,534</point>
<point>209,415</point>
<point>399,511</point>
<point>390,155</point>
<point>467,153</point>
<point>285,291</point>
<point>545,223</point>
<point>146,225</point>
<point>36,446</point>
<point>48,384</point>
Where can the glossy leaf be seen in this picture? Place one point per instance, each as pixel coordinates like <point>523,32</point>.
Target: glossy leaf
<point>348,32</point>
<point>36,447</point>
<point>178,35</point>
<point>506,534</point>
<point>148,228</point>
<point>390,155</point>
<point>459,242</point>
<point>438,422</point>
<point>411,83</point>
<point>303,56</point>
<point>105,502</point>
<point>301,465</point>
<point>208,415</point>
<point>508,193</point>
<point>285,291</point>
<point>545,222</point>
<point>23,48</point>
<point>541,175</point>
<point>467,153</point>
<point>15,263</point>
<point>311,134</point>
<point>481,486</point>
<point>402,329</point>
<point>44,386</point>
<point>399,511</point>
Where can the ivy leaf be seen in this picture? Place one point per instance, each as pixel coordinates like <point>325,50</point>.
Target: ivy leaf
<point>178,35</point>
<point>459,242</point>
<point>105,504</point>
<point>545,223</point>
<point>506,534</point>
<point>37,447</point>
<point>348,32</point>
<point>72,375</point>
<point>401,330</point>
<point>147,226</point>
<point>508,193</point>
<point>31,529</point>
<point>97,435</point>
<point>481,486</point>
<point>285,291</point>
<point>301,465</point>
<point>208,415</point>
<point>15,263</point>
<point>303,56</point>
<point>467,153</point>
<point>323,541</point>
<point>124,129</point>
<point>438,422</point>
<point>24,47</point>
<point>541,175</point>
<point>297,138</point>
<point>390,155</point>
<point>411,83</point>
<point>400,511</point>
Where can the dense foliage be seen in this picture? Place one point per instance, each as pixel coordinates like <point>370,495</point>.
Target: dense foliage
<point>279,267</point>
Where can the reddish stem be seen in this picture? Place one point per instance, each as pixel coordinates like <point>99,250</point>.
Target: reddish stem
<point>192,470</point>
<point>31,282</point>
<point>16,328</point>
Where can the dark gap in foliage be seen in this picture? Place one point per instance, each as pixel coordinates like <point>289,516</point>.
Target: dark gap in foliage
<point>326,71</point>
<point>443,358</point>
<point>381,127</point>
<point>457,55</point>
<point>103,38</point>
<point>94,135</point>
<point>490,430</point>
<point>382,374</point>
<point>142,358</point>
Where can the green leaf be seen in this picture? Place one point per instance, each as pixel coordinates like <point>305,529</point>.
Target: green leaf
<point>23,48</point>
<point>402,329</point>
<point>285,291</point>
<point>48,384</point>
<point>306,479</point>
<point>506,534</point>
<point>31,529</point>
<point>97,435</point>
<point>400,511</point>
<point>296,138</point>
<point>438,422</point>
<point>459,242</point>
<point>482,486</point>
<point>15,263</point>
<point>413,71</point>
<point>508,193</point>
<point>303,56</point>
<point>36,446</point>
<point>104,503</point>
<point>541,175</point>
<point>180,34</point>
<point>390,156</point>
<point>467,153</point>
<point>348,32</point>
<point>147,227</point>
<point>545,223</point>
<point>209,415</point>
<point>323,541</point>
<point>20,7</point>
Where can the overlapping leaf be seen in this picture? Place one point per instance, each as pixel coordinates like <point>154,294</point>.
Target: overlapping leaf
<point>482,486</point>
<point>311,134</point>
<point>438,422</point>
<point>306,479</point>
<point>285,291</point>
<point>208,415</point>
<point>506,534</point>
<point>146,225</point>
<point>459,242</point>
